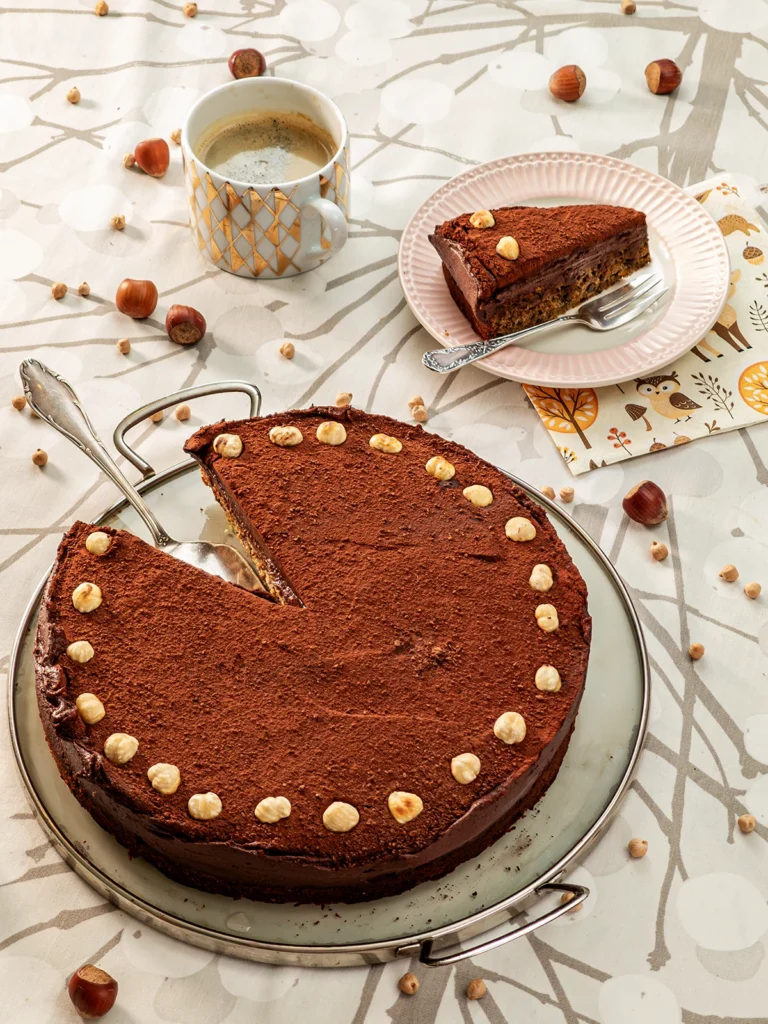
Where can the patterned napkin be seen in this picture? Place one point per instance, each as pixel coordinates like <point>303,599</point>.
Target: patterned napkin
<point>721,384</point>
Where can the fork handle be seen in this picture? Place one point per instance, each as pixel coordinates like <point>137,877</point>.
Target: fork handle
<point>55,401</point>
<point>445,360</point>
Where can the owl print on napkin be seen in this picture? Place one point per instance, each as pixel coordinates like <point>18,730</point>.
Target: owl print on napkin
<point>720,385</point>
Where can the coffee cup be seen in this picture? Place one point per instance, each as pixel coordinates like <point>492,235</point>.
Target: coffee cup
<point>264,228</point>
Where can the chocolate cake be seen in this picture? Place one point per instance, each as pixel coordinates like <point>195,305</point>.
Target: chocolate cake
<point>510,268</point>
<point>409,690</point>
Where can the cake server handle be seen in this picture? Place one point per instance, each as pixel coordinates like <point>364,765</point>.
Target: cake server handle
<point>424,949</point>
<point>446,360</point>
<point>54,400</point>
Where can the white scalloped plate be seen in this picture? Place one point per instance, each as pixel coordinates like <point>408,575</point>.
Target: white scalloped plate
<point>687,247</point>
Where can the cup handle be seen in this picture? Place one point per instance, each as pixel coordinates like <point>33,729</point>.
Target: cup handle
<point>336,221</point>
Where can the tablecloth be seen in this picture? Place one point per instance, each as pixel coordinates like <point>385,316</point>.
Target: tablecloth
<point>429,87</point>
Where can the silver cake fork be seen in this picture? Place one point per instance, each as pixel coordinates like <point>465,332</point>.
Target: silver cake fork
<point>55,401</point>
<point>603,313</point>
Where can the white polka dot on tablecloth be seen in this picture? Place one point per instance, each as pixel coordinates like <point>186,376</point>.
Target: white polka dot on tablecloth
<point>167,109</point>
<point>363,50</point>
<point>154,953</point>
<point>15,113</point>
<point>13,302</point>
<point>520,70</point>
<point>31,989</point>
<point>586,47</point>
<point>309,20</point>
<point>417,100</point>
<point>722,910</point>
<point>756,737</point>
<point>241,330</point>
<point>199,40</point>
<point>734,15</point>
<point>755,798</point>
<point>736,965</point>
<point>19,255</point>
<point>384,18</point>
<point>639,999</point>
<point>91,208</point>
<point>258,982</point>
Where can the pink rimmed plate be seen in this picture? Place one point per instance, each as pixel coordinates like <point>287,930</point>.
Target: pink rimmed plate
<point>687,247</point>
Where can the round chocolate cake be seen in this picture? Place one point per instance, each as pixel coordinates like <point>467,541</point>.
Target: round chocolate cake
<point>407,691</point>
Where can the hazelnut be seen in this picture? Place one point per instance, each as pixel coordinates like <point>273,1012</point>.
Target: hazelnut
<point>404,807</point>
<point>272,809</point>
<point>646,503</point>
<point>419,413</point>
<point>344,398</point>
<point>19,402</point>
<point>331,432</point>
<point>440,468</point>
<point>120,747</point>
<point>637,848</point>
<point>90,708</point>
<point>136,299</point>
<point>190,10</point>
<point>93,992</point>
<point>73,96</point>
<point>567,897</point>
<point>409,984</point>
<point>247,63</point>
<point>176,136</point>
<point>98,543</point>
<point>123,346</point>
<point>228,446</point>
<point>204,806</point>
<point>752,590</point>
<point>519,529</point>
<point>509,727</point>
<point>659,551</point>
<point>129,160</point>
<point>286,437</point>
<point>157,417</point>
<point>153,156</point>
<point>568,83</point>
<point>84,289</point>
<point>465,768</point>
<point>747,823</point>
<point>541,578</point>
<point>546,617</point>
<point>548,679</point>
<point>628,6</point>
<point>39,457</point>
<point>696,651</point>
<point>385,443</point>
<point>663,76</point>
<point>478,494</point>
<point>118,222</point>
<point>86,597</point>
<point>287,350</point>
<point>508,248</point>
<point>101,8</point>
<point>58,290</point>
<point>416,400</point>
<point>184,325</point>
<point>165,778</point>
<point>340,817</point>
<point>80,651</point>
<point>482,219</point>
<point>476,989</point>
<point>548,492</point>
<point>729,573</point>
<point>182,412</point>
<point>566,494</point>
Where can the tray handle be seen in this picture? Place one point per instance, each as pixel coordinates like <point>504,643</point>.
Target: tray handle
<point>580,893</point>
<point>215,388</point>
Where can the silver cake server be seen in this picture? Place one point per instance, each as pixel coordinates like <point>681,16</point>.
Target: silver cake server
<point>54,400</point>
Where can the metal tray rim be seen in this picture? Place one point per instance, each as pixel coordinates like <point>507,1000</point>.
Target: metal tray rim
<point>350,953</point>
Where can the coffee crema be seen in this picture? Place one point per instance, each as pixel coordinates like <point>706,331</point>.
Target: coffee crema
<point>265,147</point>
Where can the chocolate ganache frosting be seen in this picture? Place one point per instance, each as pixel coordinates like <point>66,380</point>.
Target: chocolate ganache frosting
<point>409,690</point>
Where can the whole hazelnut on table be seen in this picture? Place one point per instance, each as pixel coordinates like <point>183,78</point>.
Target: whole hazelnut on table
<point>416,400</point>
<point>752,590</point>
<point>73,96</point>
<point>84,289</point>
<point>287,350</point>
<point>39,457</point>
<point>118,222</point>
<point>420,413</point>
<point>101,8</point>
<point>409,984</point>
<point>58,290</point>
<point>747,823</point>
<point>136,299</point>
<point>566,494</point>
<point>129,160</point>
<point>123,346</point>
<point>476,989</point>
<point>153,156</point>
<point>182,412</point>
<point>19,402</point>
<point>659,551</point>
<point>646,503</point>
<point>637,848</point>
<point>190,10</point>
<point>696,651</point>
<point>628,6</point>
<point>184,325</point>
<point>663,76</point>
<point>566,898</point>
<point>729,573</point>
<point>93,992</point>
<point>176,136</point>
<point>548,492</point>
<point>157,417</point>
<point>247,63</point>
<point>568,83</point>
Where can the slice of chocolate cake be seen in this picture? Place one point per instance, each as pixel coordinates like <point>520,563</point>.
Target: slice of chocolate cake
<point>510,268</point>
